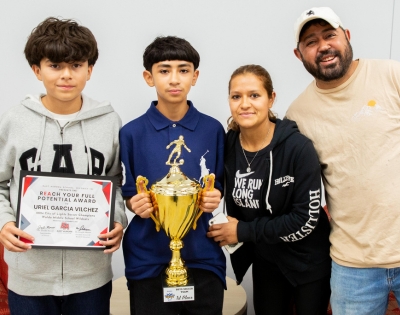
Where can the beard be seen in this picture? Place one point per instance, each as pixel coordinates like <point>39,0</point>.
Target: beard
<point>334,71</point>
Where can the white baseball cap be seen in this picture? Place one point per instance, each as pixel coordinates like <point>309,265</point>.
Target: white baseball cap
<point>323,13</point>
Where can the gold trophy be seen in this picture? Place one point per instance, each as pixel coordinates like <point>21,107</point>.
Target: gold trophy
<point>176,201</point>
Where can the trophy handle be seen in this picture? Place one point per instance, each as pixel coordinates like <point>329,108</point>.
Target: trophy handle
<point>208,181</point>
<point>141,187</point>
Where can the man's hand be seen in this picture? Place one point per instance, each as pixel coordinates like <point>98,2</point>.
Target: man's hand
<point>8,237</point>
<point>114,238</point>
<point>224,233</point>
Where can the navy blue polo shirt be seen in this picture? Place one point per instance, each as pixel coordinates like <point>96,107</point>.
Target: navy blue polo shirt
<point>143,152</point>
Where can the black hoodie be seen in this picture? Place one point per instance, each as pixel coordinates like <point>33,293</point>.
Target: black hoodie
<point>293,230</point>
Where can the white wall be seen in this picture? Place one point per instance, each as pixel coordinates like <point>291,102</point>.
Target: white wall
<point>227,34</point>
<point>395,52</point>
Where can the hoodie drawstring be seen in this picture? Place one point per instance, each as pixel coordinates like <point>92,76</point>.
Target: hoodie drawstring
<point>89,154</point>
<point>269,208</point>
<point>39,149</point>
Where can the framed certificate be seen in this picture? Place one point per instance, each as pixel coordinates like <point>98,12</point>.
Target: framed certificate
<point>65,210</point>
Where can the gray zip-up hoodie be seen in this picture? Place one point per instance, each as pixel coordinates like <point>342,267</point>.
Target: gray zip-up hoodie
<point>30,139</point>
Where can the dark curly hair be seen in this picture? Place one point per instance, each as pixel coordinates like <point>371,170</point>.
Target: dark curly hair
<point>61,41</point>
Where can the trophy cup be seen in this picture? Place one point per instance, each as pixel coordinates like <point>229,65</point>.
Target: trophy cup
<point>176,201</point>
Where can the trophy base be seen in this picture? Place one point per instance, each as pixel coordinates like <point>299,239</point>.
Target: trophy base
<point>176,276</point>
<point>178,293</point>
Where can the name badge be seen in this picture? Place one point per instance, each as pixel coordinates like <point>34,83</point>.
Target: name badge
<point>178,294</point>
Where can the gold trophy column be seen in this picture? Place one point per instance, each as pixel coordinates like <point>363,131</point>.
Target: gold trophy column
<point>176,271</point>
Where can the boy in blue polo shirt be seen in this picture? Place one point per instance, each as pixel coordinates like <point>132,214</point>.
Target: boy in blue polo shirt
<point>171,67</point>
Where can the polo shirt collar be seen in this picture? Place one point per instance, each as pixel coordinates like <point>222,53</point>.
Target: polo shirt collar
<point>159,121</point>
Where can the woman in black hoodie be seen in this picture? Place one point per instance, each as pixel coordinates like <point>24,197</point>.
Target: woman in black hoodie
<point>273,199</point>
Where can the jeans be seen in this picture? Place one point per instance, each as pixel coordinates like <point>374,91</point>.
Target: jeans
<point>93,302</point>
<point>363,291</point>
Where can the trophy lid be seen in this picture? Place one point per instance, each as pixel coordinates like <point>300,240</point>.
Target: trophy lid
<point>176,183</point>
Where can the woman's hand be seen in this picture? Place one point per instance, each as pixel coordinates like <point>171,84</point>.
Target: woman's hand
<point>224,233</point>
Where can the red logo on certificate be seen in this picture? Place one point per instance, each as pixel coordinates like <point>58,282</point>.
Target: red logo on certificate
<point>65,226</point>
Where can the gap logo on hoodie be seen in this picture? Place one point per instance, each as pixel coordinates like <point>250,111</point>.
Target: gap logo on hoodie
<point>62,161</point>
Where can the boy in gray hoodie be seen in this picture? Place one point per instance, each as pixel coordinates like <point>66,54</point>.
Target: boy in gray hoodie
<point>60,131</point>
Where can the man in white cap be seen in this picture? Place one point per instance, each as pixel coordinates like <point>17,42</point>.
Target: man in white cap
<point>351,112</point>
